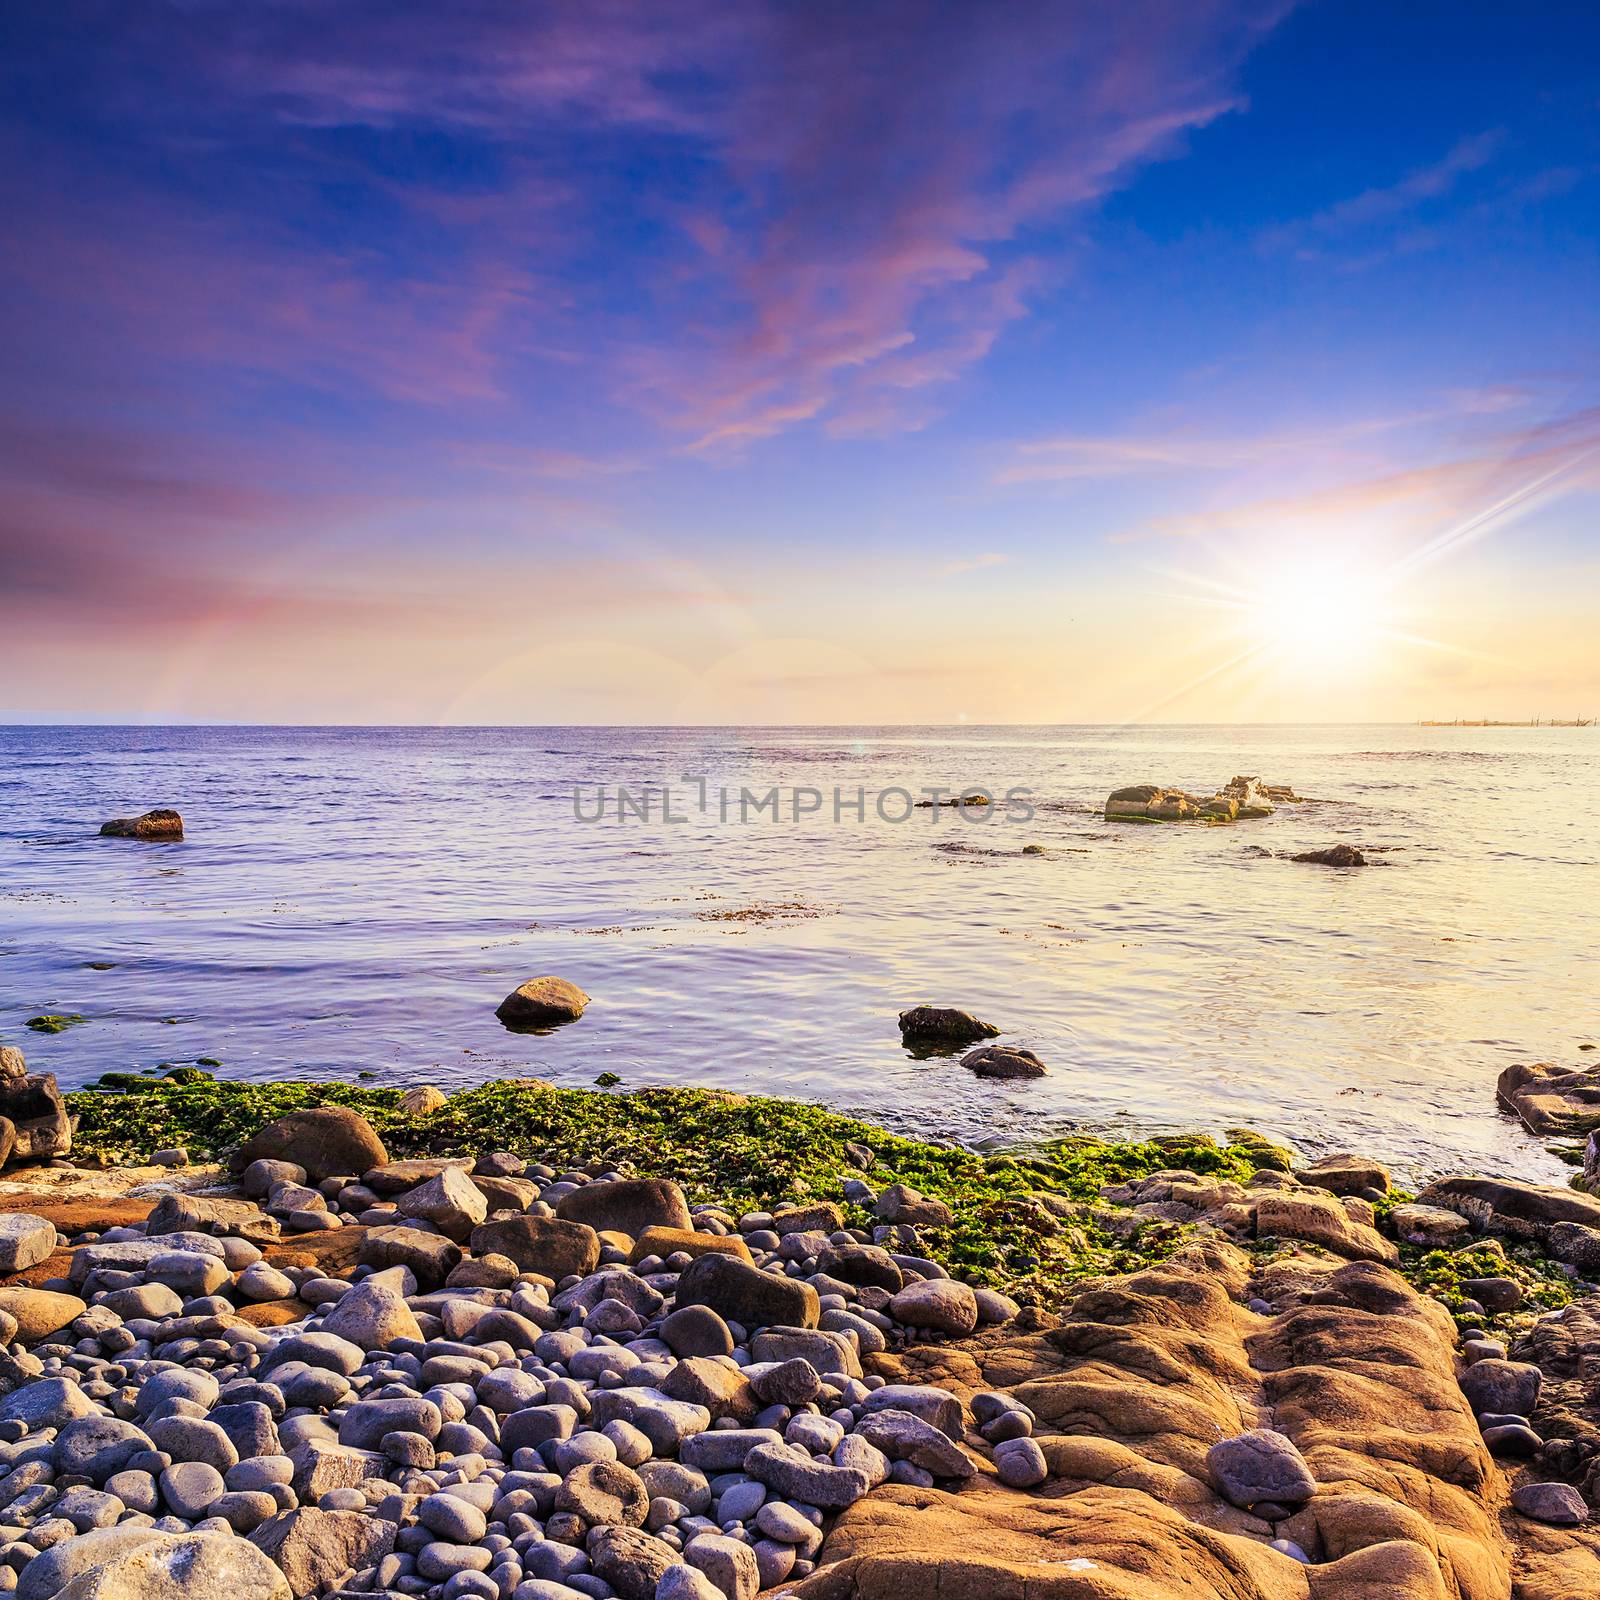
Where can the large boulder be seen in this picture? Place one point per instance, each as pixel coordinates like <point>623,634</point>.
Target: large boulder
<point>313,1548</point>
<point>181,1566</point>
<point>1551,1099</point>
<point>747,1295</point>
<point>542,1003</point>
<point>34,1123</point>
<point>326,1141</point>
<point>546,1245</point>
<point>162,823</point>
<point>39,1312</point>
<point>629,1205</point>
<point>1504,1206</point>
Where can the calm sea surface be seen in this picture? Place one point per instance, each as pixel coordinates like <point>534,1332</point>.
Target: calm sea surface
<point>359,900</point>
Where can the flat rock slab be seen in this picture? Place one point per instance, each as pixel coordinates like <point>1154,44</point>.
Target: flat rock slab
<point>1551,1099</point>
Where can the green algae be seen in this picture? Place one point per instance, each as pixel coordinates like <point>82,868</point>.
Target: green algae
<point>55,1021</point>
<point>1023,1221</point>
<point>742,1151</point>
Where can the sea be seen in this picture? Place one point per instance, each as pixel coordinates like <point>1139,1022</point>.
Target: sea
<point>751,908</point>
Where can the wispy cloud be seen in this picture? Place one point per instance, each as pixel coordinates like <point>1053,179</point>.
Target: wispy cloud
<point>983,563</point>
<point>1390,209</point>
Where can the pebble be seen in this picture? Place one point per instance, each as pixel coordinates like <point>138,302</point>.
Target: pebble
<point>526,1438</point>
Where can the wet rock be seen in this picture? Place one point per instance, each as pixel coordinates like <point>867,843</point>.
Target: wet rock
<point>943,1025</point>
<point>1004,1061</point>
<point>33,1117</point>
<point>162,823</point>
<point>1346,1174</point>
<point>546,1245</point>
<point>1431,1227</point>
<point>1576,1243</point>
<point>325,1141</point>
<point>628,1205</point>
<point>542,1003</point>
<point>747,1295</point>
<point>1337,855</point>
<point>1551,1099</point>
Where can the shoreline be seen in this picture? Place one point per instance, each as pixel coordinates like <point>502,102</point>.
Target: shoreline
<point>927,1357</point>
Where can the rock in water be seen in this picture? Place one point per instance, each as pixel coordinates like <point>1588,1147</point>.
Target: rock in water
<point>162,823</point>
<point>1004,1061</point>
<point>1551,1099</point>
<point>943,1025</point>
<point>1337,855</point>
<point>325,1141</point>
<point>542,1003</point>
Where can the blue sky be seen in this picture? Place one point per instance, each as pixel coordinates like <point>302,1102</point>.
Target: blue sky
<point>704,362</point>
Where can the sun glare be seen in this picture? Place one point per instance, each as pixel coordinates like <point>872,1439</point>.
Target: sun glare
<point>1318,615</point>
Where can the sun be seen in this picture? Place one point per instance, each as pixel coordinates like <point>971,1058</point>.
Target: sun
<point>1318,614</point>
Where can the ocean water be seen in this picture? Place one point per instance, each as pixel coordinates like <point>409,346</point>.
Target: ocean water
<point>358,901</point>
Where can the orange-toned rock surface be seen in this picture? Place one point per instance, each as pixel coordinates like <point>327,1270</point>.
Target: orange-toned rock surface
<point>1132,1389</point>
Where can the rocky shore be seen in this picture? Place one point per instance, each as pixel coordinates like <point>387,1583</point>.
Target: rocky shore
<point>530,1344</point>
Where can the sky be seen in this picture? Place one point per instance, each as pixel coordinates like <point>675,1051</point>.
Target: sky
<point>709,361</point>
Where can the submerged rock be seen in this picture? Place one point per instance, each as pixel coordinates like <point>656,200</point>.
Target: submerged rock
<point>1004,1061</point>
<point>1337,855</point>
<point>162,823</point>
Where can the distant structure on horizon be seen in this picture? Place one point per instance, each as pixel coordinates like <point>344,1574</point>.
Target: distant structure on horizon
<point>1489,722</point>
